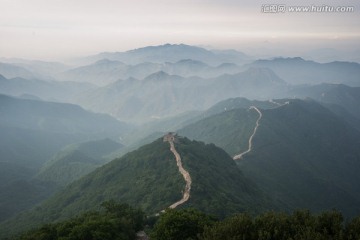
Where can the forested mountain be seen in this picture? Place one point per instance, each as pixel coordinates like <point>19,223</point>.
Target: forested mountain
<point>77,160</point>
<point>312,158</point>
<point>122,221</point>
<point>31,133</point>
<point>277,134</point>
<point>150,179</point>
<point>302,154</point>
<point>154,129</point>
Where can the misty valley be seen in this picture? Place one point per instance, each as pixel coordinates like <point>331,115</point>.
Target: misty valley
<point>179,142</point>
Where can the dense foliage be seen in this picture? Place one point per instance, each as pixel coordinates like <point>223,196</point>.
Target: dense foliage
<point>218,186</point>
<point>149,178</point>
<point>120,221</point>
<point>76,160</point>
<point>307,157</point>
<point>229,130</point>
<point>31,131</point>
<point>180,224</point>
<point>303,155</point>
<point>191,224</point>
<point>116,222</point>
<point>272,225</point>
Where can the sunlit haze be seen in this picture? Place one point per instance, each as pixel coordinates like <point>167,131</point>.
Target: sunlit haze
<point>61,29</point>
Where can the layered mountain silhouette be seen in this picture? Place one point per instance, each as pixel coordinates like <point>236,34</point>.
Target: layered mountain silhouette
<point>299,71</point>
<point>32,132</point>
<point>12,71</point>
<point>29,69</point>
<point>339,94</point>
<point>172,53</point>
<point>279,134</point>
<point>106,71</point>
<point>162,95</point>
<point>46,90</point>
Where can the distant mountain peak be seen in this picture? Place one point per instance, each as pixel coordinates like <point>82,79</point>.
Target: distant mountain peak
<point>159,76</point>
<point>171,53</point>
<point>190,61</point>
<point>283,60</point>
<point>166,46</point>
<point>106,61</point>
<point>295,59</point>
<point>224,65</point>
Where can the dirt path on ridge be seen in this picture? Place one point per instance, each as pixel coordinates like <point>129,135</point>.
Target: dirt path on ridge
<point>186,175</point>
<point>239,156</point>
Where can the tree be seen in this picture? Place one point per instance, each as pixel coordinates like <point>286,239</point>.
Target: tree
<point>330,225</point>
<point>239,226</point>
<point>116,222</point>
<point>46,232</point>
<point>180,225</point>
<point>353,229</point>
<point>272,225</point>
<point>125,211</point>
<point>303,226</point>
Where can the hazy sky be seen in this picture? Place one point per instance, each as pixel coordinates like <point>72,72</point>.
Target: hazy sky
<point>56,29</point>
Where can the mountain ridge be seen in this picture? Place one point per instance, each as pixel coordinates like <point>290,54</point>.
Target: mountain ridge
<point>302,153</point>
<point>170,95</point>
<point>149,178</point>
<point>299,71</point>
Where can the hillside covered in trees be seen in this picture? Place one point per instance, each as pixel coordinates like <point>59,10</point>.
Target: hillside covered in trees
<point>149,178</point>
<point>117,221</point>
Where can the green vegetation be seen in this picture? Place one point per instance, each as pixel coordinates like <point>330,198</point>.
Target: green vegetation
<point>300,225</point>
<point>237,103</point>
<point>18,191</point>
<point>306,157</point>
<point>229,130</point>
<point>76,160</point>
<point>149,178</point>
<point>180,224</point>
<point>218,186</point>
<point>228,124</point>
<point>120,221</point>
<point>20,195</point>
<point>32,132</point>
<point>274,225</point>
<point>67,167</point>
<point>115,222</point>
<point>303,155</point>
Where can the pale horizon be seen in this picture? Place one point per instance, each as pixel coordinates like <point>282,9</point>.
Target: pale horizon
<point>60,30</point>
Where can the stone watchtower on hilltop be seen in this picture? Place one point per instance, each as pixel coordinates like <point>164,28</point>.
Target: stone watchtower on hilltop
<point>170,136</point>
